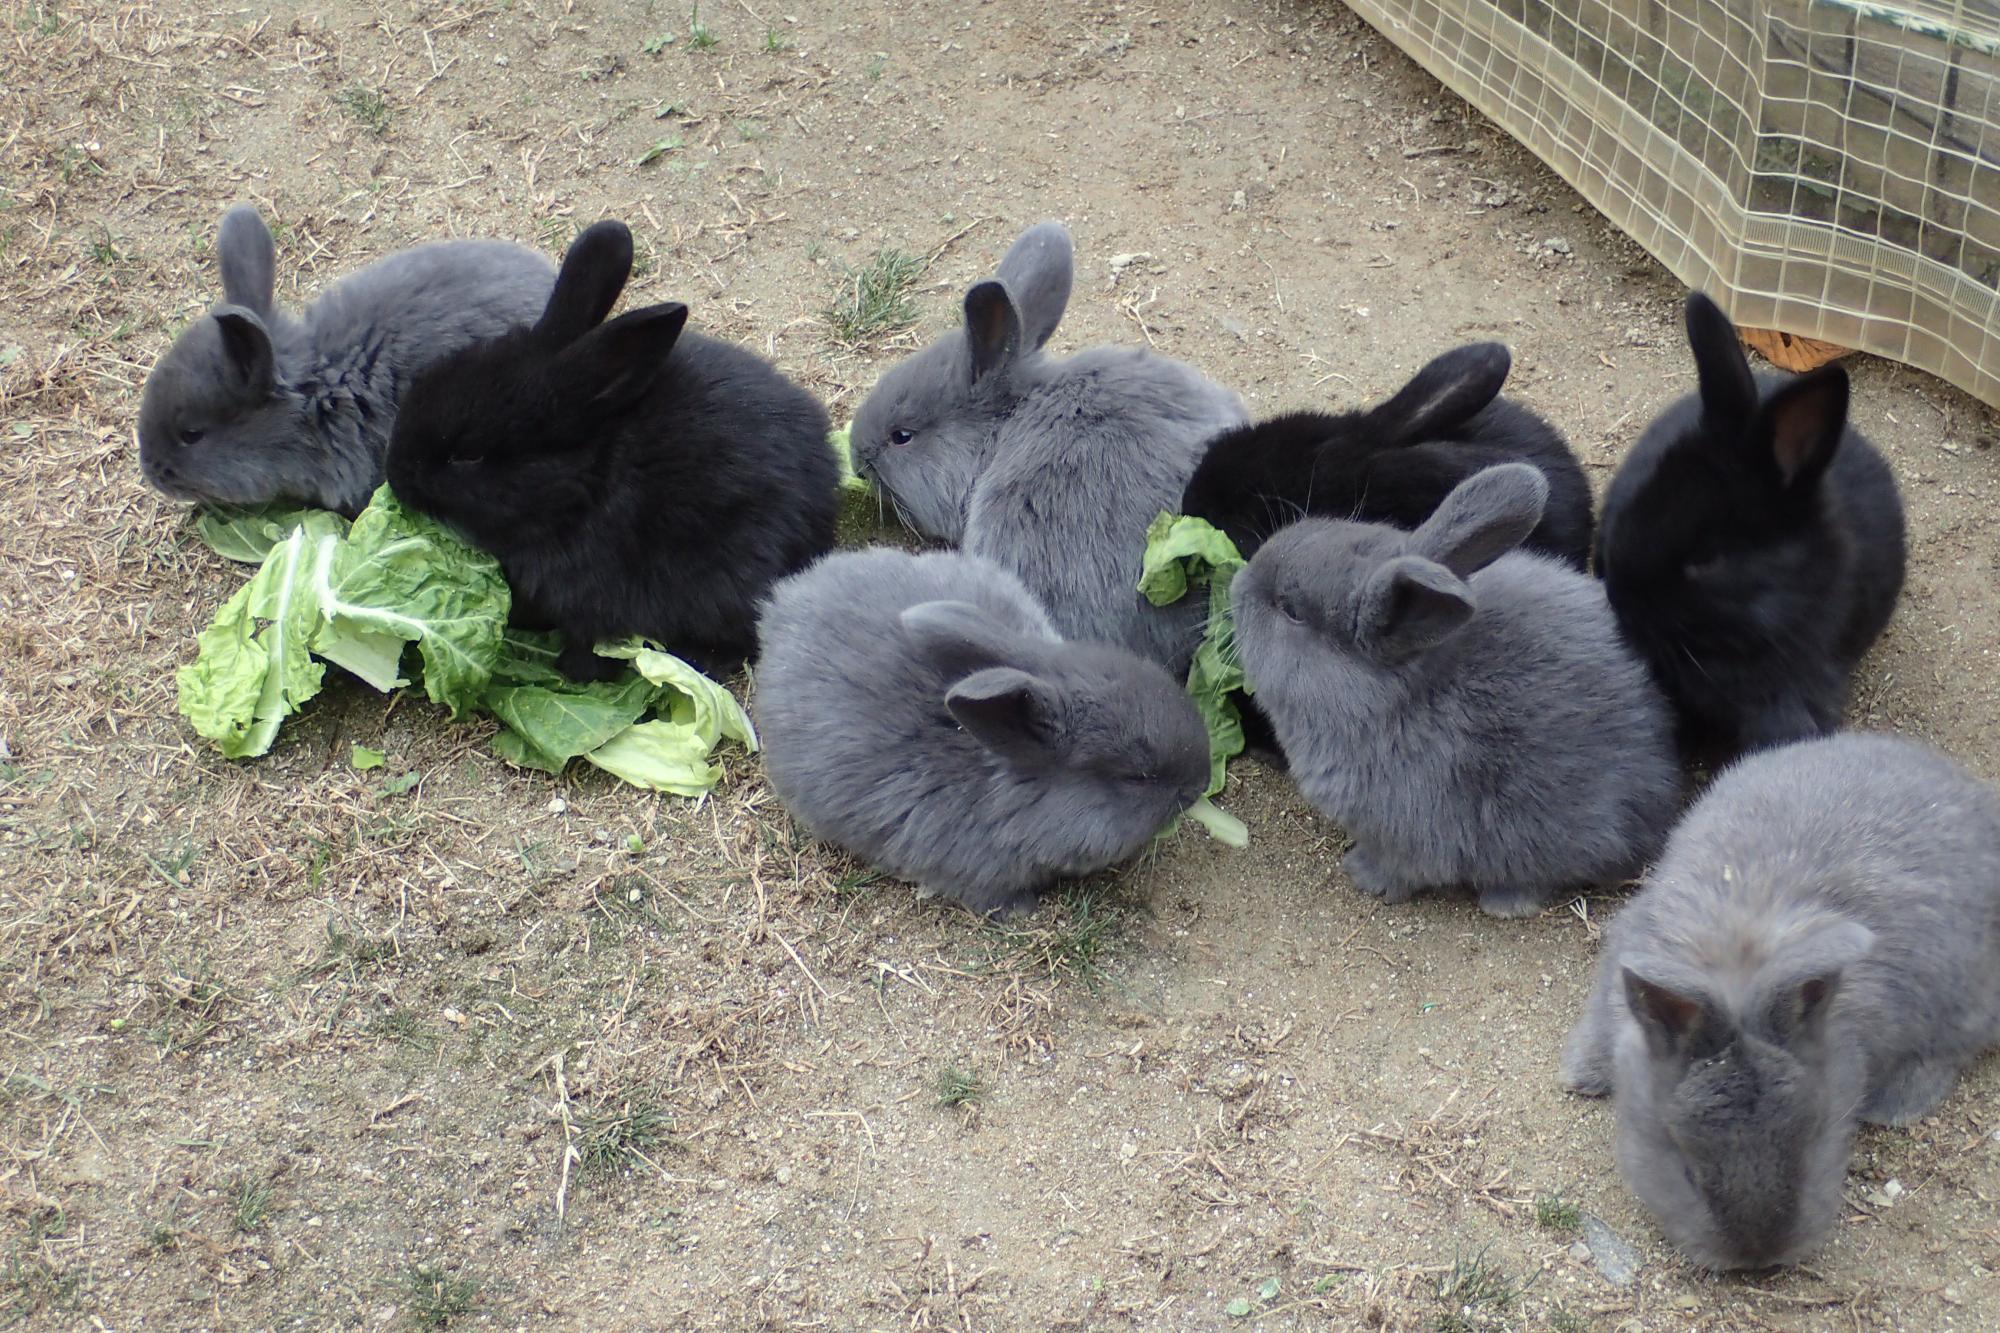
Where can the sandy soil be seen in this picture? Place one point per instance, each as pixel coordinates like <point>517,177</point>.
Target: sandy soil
<point>285,1047</point>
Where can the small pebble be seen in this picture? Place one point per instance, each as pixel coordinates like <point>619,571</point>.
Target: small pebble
<point>1615,1259</point>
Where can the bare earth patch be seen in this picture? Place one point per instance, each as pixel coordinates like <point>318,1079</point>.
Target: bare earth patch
<point>444,1044</point>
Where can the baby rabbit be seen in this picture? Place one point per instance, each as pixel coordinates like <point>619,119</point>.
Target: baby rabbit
<point>252,404</point>
<point>1819,942</point>
<point>1394,462</point>
<point>920,711</point>
<point>631,478</point>
<point>1752,546</point>
<point>1051,469</point>
<point>1467,712</point>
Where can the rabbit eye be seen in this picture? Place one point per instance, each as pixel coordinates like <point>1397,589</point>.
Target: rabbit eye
<point>1289,609</point>
<point>900,436</point>
<point>190,435</point>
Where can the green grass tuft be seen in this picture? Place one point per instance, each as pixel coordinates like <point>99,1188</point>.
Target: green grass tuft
<point>436,1295</point>
<point>874,300</point>
<point>956,1087</point>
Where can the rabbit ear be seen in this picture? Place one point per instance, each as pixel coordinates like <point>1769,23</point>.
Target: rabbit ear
<point>615,365</point>
<point>956,637</point>
<point>1409,606</point>
<point>1037,273</point>
<point>1011,713</point>
<point>247,346</point>
<point>992,329</point>
<point>1680,1022</point>
<point>1728,390</point>
<point>1444,394</point>
<point>1487,515</point>
<point>1796,988</point>
<point>248,260</point>
<point>593,274</point>
<point>1801,424</point>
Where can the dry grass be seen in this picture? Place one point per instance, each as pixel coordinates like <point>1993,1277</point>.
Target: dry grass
<point>284,1043</point>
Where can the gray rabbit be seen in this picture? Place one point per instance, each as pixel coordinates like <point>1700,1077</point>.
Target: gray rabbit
<point>1466,711</point>
<point>1819,942</point>
<point>1050,468</point>
<point>920,711</point>
<point>253,404</point>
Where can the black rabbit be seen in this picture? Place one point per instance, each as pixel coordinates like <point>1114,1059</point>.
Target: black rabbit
<point>631,478</point>
<point>1394,462</point>
<point>1752,545</point>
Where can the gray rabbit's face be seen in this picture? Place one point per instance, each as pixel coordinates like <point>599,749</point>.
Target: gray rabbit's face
<point>1128,752</point>
<point>1740,1154</point>
<point>926,433</point>
<point>213,424</point>
<point>1298,598</point>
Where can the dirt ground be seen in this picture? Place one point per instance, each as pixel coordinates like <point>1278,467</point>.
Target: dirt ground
<point>292,1046</point>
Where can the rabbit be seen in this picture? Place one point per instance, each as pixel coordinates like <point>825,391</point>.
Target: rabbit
<point>1819,944</point>
<point>1050,468</point>
<point>919,710</point>
<point>1394,462</point>
<point>1465,710</point>
<point>630,477</point>
<point>253,404</point>
<point>1752,545</point>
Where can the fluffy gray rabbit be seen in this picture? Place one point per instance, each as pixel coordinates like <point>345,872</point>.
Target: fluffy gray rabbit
<point>1466,711</point>
<point>1819,942</point>
<point>920,711</point>
<point>253,404</point>
<point>1050,468</point>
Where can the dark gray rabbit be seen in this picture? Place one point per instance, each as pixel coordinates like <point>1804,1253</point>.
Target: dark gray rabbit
<point>920,711</point>
<point>1819,942</point>
<point>1466,711</point>
<point>1050,468</point>
<point>252,403</point>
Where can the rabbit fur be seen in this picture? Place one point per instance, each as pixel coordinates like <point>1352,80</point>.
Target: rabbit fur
<point>1466,711</point>
<point>1050,468</point>
<point>1752,544</point>
<point>631,477</point>
<point>1394,462</point>
<point>1819,944</point>
<point>921,711</point>
<point>254,404</point>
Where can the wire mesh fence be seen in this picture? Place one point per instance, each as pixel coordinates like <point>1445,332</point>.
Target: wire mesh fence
<point>1830,168</point>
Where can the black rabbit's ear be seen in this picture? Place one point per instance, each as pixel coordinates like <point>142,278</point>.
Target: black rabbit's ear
<point>957,638</point>
<point>614,366</point>
<point>1409,606</point>
<point>248,260</point>
<point>1444,395</point>
<point>1037,273</point>
<point>1728,390</point>
<point>1487,515</point>
<point>992,329</point>
<point>246,348</point>
<point>1680,1022</point>
<point>593,274</point>
<point>1011,713</point>
<point>1801,423</point>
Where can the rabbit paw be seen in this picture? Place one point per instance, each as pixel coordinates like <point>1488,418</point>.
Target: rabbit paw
<point>1910,1091</point>
<point>1367,875</point>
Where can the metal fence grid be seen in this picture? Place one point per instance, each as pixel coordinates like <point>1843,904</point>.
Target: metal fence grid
<point>1829,168</point>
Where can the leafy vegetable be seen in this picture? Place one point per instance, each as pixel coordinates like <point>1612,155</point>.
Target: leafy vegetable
<point>1184,553</point>
<point>255,667</point>
<point>843,449</point>
<point>247,535</point>
<point>357,595</point>
<point>364,758</point>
